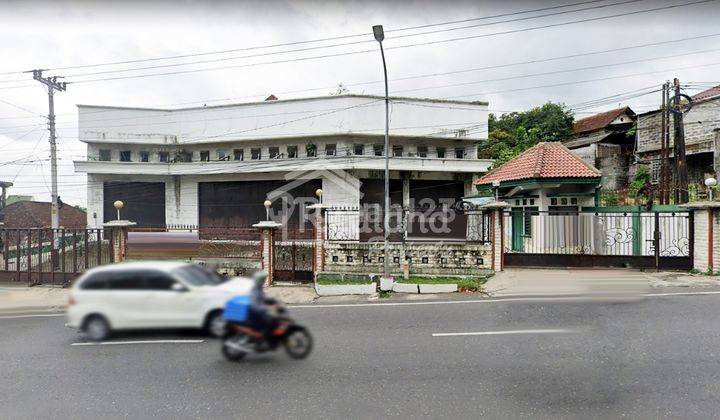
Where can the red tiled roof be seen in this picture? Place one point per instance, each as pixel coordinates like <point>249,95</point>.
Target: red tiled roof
<point>36,214</point>
<point>707,94</point>
<point>544,160</point>
<point>598,121</point>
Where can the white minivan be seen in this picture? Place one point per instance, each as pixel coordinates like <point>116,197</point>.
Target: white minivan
<point>157,294</point>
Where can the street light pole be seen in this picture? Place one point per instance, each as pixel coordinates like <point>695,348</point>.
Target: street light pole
<point>379,34</point>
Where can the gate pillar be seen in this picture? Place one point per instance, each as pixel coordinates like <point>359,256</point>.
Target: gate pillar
<point>497,231</point>
<point>118,238</point>
<point>319,237</point>
<point>267,229</point>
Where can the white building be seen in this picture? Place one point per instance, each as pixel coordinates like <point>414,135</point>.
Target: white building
<point>215,165</point>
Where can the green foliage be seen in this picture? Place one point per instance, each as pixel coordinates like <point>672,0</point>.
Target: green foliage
<point>642,176</point>
<point>609,198</point>
<point>340,281</point>
<point>513,133</point>
<point>631,131</point>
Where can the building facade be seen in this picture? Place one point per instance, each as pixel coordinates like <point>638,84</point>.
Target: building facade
<point>702,137</point>
<point>215,166</point>
<point>602,141</point>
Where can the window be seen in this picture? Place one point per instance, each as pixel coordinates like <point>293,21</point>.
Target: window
<point>158,281</point>
<point>528,213</point>
<point>553,201</point>
<point>144,156</point>
<point>238,154</point>
<point>125,156</point>
<point>573,201</point>
<point>222,154</point>
<point>378,150</point>
<point>359,149</point>
<point>204,156</point>
<point>422,151</point>
<point>127,280</point>
<point>96,281</point>
<point>440,152</point>
<point>311,150</point>
<point>330,149</point>
<point>397,150</point>
<point>105,154</point>
<point>183,156</point>
<point>292,152</point>
<point>274,152</point>
<point>459,153</point>
<point>255,153</point>
<point>164,157</point>
<point>195,275</point>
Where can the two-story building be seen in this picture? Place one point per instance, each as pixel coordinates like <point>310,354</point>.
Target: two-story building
<point>702,137</point>
<point>216,165</point>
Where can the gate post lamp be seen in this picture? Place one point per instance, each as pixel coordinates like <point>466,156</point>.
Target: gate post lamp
<point>379,34</point>
<point>319,193</point>
<point>710,183</point>
<point>267,205</point>
<point>118,205</point>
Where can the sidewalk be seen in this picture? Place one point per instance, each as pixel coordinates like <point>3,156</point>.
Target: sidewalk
<point>546,282</point>
<point>21,299</point>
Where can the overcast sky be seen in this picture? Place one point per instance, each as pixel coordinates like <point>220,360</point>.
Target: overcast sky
<point>69,34</point>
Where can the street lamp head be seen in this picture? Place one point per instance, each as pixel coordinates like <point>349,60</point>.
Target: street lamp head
<point>267,204</point>
<point>711,182</point>
<point>379,33</point>
<point>118,204</point>
<point>318,192</point>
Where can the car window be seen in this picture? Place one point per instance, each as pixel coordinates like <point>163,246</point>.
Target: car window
<point>158,281</point>
<point>127,280</point>
<point>96,281</point>
<point>195,275</point>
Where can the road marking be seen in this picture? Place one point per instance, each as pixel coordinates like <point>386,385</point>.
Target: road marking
<point>509,332</point>
<point>116,343</point>
<point>29,316</point>
<point>499,300</point>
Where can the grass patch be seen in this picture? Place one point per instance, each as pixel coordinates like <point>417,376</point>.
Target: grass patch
<point>339,281</point>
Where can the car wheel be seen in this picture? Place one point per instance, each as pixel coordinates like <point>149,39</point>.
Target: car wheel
<point>216,325</point>
<point>96,328</point>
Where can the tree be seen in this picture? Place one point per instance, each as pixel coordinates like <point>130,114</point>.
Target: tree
<point>512,133</point>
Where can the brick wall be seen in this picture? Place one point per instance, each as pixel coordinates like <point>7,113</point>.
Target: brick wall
<point>700,124</point>
<point>702,247</point>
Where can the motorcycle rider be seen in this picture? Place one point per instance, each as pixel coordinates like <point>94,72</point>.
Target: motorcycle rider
<point>260,317</point>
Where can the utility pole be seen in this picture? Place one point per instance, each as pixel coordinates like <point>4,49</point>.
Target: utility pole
<point>681,193</point>
<point>52,85</point>
<point>664,181</point>
<point>379,34</point>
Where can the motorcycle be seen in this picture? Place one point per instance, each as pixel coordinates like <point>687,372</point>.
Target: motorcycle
<point>241,340</point>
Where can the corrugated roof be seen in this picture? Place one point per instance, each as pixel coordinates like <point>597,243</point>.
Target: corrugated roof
<point>36,214</point>
<point>601,120</point>
<point>544,160</point>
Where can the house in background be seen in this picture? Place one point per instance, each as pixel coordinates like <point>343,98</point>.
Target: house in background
<point>547,179</point>
<point>216,165</point>
<point>702,137</point>
<point>36,214</point>
<point>602,141</point>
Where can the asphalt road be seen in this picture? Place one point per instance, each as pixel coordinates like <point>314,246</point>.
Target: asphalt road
<point>658,357</point>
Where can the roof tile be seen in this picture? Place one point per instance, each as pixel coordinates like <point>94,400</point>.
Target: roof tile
<point>544,160</point>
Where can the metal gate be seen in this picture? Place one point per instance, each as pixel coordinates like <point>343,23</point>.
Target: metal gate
<point>293,256</point>
<point>661,240</point>
<point>28,255</point>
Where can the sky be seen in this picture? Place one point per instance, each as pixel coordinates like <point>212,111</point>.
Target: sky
<point>510,55</point>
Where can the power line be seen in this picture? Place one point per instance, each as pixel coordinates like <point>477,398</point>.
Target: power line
<point>323,39</point>
<point>426,43</point>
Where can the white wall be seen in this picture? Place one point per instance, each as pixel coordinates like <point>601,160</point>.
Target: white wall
<point>345,114</point>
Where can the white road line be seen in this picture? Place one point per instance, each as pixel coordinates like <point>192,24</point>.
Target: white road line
<point>496,300</point>
<point>116,343</point>
<point>509,332</point>
<point>29,316</point>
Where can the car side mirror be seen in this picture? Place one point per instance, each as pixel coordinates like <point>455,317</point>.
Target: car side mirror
<point>177,287</point>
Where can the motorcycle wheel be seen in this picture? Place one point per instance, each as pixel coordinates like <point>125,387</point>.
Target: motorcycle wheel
<point>298,343</point>
<point>231,353</point>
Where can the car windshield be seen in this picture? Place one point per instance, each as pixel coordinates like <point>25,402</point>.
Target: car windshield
<point>197,276</point>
